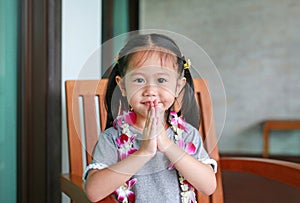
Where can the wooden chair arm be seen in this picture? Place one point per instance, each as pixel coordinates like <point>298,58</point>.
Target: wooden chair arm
<point>282,171</point>
<point>72,185</point>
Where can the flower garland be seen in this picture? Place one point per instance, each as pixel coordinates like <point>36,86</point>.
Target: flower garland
<point>179,126</point>
<point>125,148</point>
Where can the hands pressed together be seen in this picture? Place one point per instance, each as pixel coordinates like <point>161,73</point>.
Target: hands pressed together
<point>154,134</point>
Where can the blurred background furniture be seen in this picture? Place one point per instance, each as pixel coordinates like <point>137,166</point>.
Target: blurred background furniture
<point>271,125</point>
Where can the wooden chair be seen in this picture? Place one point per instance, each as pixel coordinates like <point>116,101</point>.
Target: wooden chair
<point>71,183</point>
<point>270,125</point>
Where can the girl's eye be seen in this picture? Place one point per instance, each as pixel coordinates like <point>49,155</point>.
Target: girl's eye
<point>139,80</point>
<point>161,80</point>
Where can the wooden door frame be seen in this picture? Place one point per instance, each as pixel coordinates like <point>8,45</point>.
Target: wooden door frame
<point>39,102</point>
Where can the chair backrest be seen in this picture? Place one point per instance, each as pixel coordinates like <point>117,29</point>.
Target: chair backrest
<point>207,131</point>
<point>86,116</point>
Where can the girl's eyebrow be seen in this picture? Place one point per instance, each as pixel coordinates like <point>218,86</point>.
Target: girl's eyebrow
<point>136,73</point>
<point>145,74</point>
<point>162,74</point>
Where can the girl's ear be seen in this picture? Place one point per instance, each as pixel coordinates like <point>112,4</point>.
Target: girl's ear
<point>121,85</point>
<point>180,84</point>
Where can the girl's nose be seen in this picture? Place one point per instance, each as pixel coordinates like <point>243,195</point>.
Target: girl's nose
<point>150,90</point>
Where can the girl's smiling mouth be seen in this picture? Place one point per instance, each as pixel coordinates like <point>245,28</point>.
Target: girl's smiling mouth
<point>148,103</point>
<point>151,103</point>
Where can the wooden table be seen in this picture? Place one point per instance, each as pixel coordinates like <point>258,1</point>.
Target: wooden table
<point>269,125</point>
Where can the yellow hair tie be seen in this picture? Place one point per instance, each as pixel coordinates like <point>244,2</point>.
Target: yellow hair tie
<point>187,64</point>
<point>116,59</point>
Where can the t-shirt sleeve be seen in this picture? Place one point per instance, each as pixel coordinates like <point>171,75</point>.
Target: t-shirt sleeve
<point>105,153</point>
<point>200,153</point>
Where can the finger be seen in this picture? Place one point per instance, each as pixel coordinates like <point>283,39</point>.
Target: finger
<point>154,130</point>
<point>159,113</point>
<point>160,119</point>
<point>155,102</point>
<point>152,117</point>
<point>149,115</point>
<point>147,118</point>
<point>149,122</point>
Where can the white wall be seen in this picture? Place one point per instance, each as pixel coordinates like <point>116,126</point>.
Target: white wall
<point>81,38</point>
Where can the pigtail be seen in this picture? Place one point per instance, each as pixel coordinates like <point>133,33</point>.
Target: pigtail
<point>189,102</point>
<point>188,76</point>
<point>113,92</point>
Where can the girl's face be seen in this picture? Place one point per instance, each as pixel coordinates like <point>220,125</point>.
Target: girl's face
<point>153,81</point>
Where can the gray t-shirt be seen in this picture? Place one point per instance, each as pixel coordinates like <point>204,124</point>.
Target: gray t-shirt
<point>155,182</point>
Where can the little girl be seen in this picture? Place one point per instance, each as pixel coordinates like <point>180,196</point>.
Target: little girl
<point>149,153</point>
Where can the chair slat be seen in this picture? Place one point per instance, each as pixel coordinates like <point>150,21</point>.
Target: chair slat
<point>73,122</point>
<point>101,90</point>
<point>90,125</point>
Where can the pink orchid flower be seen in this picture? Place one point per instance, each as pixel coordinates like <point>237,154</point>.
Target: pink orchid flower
<point>124,192</point>
<point>130,118</point>
<point>176,120</point>
<point>125,146</point>
<point>190,186</point>
<point>117,122</point>
<point>189,148</point>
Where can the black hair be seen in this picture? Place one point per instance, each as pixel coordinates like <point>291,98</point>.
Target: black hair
<point>142,43</point>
